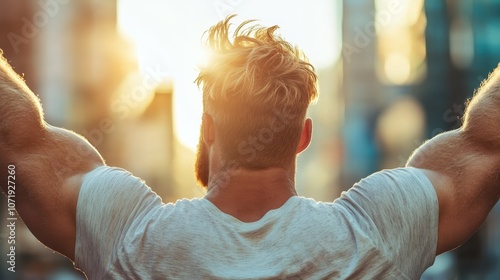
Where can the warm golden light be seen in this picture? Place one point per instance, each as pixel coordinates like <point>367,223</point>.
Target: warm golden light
<point>397,68</point>
<point>167,35</point>
<point>400,29</point>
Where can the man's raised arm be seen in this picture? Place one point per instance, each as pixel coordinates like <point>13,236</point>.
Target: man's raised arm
<point>464,167</point>
<point>46,185</point>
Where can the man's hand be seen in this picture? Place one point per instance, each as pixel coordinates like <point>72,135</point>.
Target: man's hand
<point>464,167</point>
<point>47,181</point>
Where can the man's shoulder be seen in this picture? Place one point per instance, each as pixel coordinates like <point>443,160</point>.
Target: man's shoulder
<point>396,175</point>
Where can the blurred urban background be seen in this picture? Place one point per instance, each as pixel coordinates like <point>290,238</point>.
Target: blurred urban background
<point>392,74</point>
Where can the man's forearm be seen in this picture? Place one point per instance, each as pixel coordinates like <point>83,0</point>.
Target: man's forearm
<point>482,117</point>
<point>21,117</point>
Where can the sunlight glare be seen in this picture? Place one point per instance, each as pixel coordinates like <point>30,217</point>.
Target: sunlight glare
<point>168,34</point>
<point>397,68</point>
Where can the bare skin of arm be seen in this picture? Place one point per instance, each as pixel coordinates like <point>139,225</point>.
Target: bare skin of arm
<point>464,167</point>
<point>47,181</point>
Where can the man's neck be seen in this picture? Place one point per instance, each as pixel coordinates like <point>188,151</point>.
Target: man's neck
<point>249,194</point>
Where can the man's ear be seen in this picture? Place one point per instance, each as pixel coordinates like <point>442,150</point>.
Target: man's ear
<point>305,137</point>
<point>207,129</point>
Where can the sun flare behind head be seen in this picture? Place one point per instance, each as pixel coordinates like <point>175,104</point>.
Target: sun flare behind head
<point>167,34</point>
<point>169,41</point>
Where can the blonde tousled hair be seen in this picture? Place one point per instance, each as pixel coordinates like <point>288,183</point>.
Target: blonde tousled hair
<point>255,83</point>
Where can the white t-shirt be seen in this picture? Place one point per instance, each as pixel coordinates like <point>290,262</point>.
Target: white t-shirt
<point>385,227</point>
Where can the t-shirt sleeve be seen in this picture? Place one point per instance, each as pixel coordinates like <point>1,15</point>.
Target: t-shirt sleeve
<point>398,209</point>
<point>110,202</point>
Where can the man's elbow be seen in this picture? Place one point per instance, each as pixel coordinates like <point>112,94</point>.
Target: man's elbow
<point>74,153</point>
<point>23,129</point>
<point>482,126</point>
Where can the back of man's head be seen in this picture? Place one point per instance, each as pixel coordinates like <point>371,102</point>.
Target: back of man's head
<point>256,88</point>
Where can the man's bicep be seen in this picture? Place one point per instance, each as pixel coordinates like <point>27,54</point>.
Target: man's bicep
<point>49,176</point>
<point>461,175</point>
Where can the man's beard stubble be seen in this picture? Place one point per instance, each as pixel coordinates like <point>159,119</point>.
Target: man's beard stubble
<point>202,165</point>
